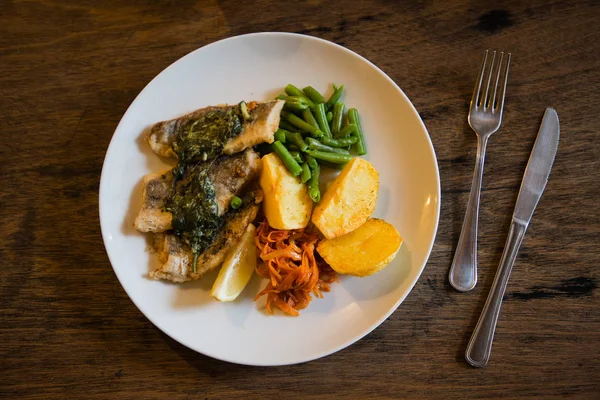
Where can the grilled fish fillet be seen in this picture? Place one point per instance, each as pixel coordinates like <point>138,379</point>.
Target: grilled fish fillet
<point>177,257</point>
<point>152,217</point>
<point>264,120</point>
<point>229,174</point>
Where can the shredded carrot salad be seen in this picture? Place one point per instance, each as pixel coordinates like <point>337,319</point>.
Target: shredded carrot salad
<point>294,270</point>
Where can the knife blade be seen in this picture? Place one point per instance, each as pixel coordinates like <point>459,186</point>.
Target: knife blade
<point>533,185</point>
<point>538,167</point>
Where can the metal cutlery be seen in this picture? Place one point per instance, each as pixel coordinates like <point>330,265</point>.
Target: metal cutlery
<point>533,184</point>
<point>485,118</point>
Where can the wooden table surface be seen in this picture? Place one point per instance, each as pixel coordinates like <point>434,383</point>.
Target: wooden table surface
<point>71,68</point>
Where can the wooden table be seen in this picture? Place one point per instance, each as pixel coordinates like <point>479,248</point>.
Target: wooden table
<point>71,68</point>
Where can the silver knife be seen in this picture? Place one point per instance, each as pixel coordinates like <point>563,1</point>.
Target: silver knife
<point>533,184</point>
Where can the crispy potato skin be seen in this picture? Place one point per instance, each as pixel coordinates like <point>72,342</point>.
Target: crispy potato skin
<point>349,201</point>
<point>364,251</point>
<point>287,204</point>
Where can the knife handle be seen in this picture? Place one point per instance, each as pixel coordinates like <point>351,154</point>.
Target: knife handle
<point>480,346</point>
<point>463,272</point>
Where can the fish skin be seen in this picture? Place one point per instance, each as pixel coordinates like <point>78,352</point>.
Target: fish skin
<point>176,257</point>
<point>229,174</point>
<point>229,179</point>
<point>264,121</point>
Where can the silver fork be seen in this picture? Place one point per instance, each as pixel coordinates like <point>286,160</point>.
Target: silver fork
<point>485,117</point>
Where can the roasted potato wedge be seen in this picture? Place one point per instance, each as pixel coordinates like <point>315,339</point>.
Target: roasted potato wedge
<point>364,251</point>
<point>286,203</point>
<point>349,201</point>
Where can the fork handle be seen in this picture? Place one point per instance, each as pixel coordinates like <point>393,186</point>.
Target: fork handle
<point>480,346</point>
<point>463,273</point>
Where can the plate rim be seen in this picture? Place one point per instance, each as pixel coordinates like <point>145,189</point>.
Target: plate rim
<point>344,344</point>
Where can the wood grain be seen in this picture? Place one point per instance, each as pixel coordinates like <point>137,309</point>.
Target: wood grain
<point>71,68</point>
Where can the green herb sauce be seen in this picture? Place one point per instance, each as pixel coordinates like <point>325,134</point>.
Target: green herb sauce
<point>192,200</point>
<point>205,137</point>
<point>195,210</point>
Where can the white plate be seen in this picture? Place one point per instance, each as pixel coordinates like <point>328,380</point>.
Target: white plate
<point>257,67</point>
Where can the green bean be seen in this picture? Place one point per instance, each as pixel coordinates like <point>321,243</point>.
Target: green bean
<point>296,155</point>
<point>317,135</point>
<point>287,159</point>
<point>296,138</point>
<point>336,158</point>
<point>321,118</point>
<point>292,147</point>
<point>294,91</point>
<point>314,94</point>
<point>236,202</point>
<point>299,123</point>
<point>286,125</point>
<point>313,184</point>
<point>347,131</point>
<point>335,97</point>
<point>296,104</point>
<point>309,117</point>
<point>280,97</point>
<point>305,176</point>
<point>338,115</point>
<point>342,142</point>
<point>280,135</point>
<point>329,116</point>
<point>312,163</point>
<point>360,146</point>
<point>314,144</point>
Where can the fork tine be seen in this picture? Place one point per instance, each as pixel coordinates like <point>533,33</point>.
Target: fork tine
<point>493,100</point>
<point>486,100</point>
<point>478,82</point>
<point>504,80</point>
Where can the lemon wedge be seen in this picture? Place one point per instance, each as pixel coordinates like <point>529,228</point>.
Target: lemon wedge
<point>237,269</point>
